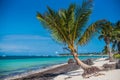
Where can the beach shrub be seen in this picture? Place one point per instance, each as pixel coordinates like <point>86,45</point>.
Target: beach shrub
<point>116,56</point>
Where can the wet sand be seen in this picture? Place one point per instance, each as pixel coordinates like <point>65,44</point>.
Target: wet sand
<point>51,73</point>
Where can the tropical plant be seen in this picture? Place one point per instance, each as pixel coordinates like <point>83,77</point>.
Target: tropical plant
<point>66,27</point>
<point>106,33</point>
<point>116,36</point>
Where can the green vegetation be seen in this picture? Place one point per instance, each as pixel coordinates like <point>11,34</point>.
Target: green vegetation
<point>116,37</point>
<point>117,56</point>
<point>106,35</point>
<point>110,33</point>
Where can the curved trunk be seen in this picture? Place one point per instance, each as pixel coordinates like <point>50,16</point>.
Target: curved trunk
<point>88,70</point>
<point>75,55</point>
<point>79,62</point>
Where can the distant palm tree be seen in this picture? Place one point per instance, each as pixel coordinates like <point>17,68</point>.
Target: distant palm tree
<point>116,36</point>
<point>106,34</point>
<point>66,27</point>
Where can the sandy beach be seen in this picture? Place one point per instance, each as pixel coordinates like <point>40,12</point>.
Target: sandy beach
<point>77,74</point>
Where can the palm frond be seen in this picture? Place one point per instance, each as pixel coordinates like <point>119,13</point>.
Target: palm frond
<point>90,31</point>
<point>82,16</point>
<point>66,24</point>
<point>69,21</point>
<point>86,36</point>
<point>51,20</point>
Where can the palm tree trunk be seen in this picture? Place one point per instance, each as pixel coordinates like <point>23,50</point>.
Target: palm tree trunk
<point>110,53</point>
<point>87,68</point>
<point>79,62</point>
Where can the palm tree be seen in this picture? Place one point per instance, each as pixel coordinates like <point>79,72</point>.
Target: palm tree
<point>106,35</point>
<point>116,36</point>
<point>66,27</point>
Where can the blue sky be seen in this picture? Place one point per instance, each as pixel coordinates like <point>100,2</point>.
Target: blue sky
<point>22,34</point>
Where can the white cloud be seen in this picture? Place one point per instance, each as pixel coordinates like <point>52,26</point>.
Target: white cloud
<point>12,48</point>
<point>18,37</point>
<point>22,43</point>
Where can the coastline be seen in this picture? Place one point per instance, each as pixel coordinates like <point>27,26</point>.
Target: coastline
<point>51,72</point>
<point>48,73</point>
<point>34,71</point>
<point>67,71</point>
<point>21,67</point>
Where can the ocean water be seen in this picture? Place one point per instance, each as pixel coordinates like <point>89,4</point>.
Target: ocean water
<point>14,65</point>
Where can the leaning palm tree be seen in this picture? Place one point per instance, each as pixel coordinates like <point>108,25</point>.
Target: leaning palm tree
<point>106,34</point>
<point>66,27</point>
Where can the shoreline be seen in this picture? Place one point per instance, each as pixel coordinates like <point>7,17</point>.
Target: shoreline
<point>37,69</point>
<point>53,71</point>
<point>49,73</point>
<point>34,71</point>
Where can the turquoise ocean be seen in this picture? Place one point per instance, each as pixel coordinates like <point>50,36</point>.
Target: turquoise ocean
<point>14,65</point>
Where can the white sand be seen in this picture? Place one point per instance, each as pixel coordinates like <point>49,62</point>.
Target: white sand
<point>76,75</point>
